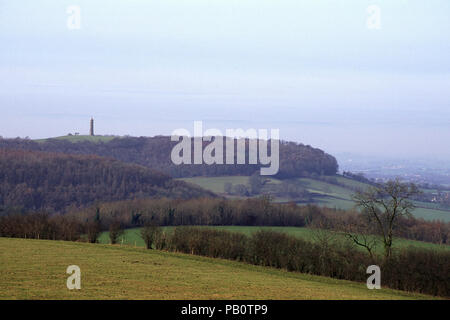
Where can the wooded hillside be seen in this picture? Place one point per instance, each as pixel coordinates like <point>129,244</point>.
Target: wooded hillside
<point>54,181</point>
<point>296,160</point>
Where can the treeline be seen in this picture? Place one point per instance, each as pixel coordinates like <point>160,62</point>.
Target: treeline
<point>54,182</point>
<point>215,212</point>
<point>199,211</point>
<point>296,160</point>
<point>251,212</point>
<point>40,225</point>
<point>424,271</point>
<point>357,176</point>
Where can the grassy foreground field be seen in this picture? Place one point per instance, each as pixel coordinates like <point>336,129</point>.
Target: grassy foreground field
<point>35,269</point>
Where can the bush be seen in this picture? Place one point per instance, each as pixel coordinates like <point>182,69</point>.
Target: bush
<point>420,270</point>
<point>211,243</point>
<point>93,230</point>
<point>149,233</point>
<point>115,231</point>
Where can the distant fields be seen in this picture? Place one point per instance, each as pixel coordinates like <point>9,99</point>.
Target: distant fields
<point>36,269</point>
<point>132,236</point>
<point>324,193</point>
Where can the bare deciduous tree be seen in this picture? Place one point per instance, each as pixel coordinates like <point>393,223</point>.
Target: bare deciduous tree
<point>382,206</point>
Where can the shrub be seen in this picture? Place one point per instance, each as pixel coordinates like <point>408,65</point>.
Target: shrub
<point>115,231</point>
<point>149,233</point>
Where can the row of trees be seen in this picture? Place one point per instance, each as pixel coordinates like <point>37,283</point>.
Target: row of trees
<point>385,211</point>
<point>43,226</point>
<point>207,211</point>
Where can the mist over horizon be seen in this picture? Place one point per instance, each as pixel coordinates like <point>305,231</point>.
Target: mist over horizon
<point>313,70</point>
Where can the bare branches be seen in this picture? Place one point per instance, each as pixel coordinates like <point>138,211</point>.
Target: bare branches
<point>382,206</point>
<point>360,232</point>
<point>363,240</point>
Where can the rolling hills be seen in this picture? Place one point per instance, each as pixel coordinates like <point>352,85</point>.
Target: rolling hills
<point>332,191</point>
<point>308,172</point>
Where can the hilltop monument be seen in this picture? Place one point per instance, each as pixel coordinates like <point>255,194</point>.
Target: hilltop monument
<point>91,131</point>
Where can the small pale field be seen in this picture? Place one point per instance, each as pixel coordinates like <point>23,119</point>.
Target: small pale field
<point>81,138</point>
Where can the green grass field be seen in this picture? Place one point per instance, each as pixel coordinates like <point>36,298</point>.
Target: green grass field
<point>36,269</point>
<point>132,236</point>
<point>80,138</point>
<point>324,193</point>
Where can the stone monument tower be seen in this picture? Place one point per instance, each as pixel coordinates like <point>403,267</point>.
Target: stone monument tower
<point>91,132</point>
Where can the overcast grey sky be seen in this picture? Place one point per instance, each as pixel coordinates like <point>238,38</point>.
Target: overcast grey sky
<point>313,69</point>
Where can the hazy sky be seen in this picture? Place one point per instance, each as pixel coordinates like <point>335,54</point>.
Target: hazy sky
<point>311,68</point>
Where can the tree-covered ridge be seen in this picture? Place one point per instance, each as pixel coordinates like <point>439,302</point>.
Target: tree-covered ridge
<point>296,160</point>
<point>54,181</point>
